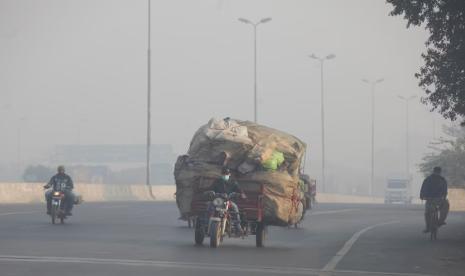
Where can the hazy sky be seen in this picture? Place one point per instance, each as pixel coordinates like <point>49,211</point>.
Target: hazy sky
<point>75,72</point>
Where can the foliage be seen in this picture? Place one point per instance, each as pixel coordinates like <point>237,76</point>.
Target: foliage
<point>449,154</point>
<point>38,173</point>
<point>443,74</point>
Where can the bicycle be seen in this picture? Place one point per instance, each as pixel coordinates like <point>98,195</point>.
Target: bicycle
<point>433,217</point>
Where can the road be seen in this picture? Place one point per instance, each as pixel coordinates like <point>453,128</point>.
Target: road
<point>144,238</point>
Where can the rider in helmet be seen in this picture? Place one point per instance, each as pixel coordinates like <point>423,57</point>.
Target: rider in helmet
<point>60,182</point>
<point>225,185</point>
<point>434,191</point>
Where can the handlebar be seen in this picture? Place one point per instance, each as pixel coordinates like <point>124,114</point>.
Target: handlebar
<point>223,195</point>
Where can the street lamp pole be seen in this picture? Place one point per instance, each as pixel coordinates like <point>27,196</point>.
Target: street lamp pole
<point>323,156</point>
<point>372,177</point>
<point>149,90</point>
<point>255,25</point>
<point>407,143</point>
<point>19,150</point>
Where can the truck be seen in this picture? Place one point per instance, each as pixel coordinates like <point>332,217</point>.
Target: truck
<point>398,190</point>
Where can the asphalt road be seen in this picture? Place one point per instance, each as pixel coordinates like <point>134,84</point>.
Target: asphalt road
<point>143,238</point>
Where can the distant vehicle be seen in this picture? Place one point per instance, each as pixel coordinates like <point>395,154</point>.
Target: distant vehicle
<point>397,191</point>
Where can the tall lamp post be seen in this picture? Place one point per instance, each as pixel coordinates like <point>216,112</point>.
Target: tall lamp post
<point>373,85</point>
<point>407,144</point>
<point>255,25</point>
<point>323,174</point>
<point>149,90</point>
<point>20,145</point>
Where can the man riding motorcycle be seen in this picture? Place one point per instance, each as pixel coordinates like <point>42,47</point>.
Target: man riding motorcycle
<point>224,185</point>
<point>434,191</point>
<point>60,182</point>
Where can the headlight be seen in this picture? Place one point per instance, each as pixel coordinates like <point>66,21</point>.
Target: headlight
<point>217,202</point>
<point>56,193</point>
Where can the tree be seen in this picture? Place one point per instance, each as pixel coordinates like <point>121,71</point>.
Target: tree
<point>443,74</point>
<point>449,154</point>
<point>37,173</point>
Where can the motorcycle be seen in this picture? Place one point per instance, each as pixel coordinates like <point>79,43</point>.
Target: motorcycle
<point>58,208</point>
<point>220,222</point>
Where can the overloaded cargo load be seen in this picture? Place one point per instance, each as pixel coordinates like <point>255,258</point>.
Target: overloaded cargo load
<point>255,154</point>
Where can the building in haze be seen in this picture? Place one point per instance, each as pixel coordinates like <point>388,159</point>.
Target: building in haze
<point>116,164</point>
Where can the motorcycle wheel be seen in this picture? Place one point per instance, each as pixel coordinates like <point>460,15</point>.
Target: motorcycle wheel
<point>260,235</point>
<point>199,236</point>
<point>215,235</point>
<point>54,214</point>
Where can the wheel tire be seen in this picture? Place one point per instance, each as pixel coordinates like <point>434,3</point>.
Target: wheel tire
<point>62,219</point>
<point>54,214</point>
<point>199,234</point>
<point>215,234</point>
<point>434,226</point>
<point>260,235</point>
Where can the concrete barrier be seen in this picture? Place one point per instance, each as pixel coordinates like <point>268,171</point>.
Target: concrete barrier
<point>340,198</point>
<point>457,199</point>
<point>33,193</point>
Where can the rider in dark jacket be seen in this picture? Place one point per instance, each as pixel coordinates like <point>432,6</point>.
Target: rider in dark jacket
<point>225,185</point>
<point>434,191</point>
<point>60,182</point>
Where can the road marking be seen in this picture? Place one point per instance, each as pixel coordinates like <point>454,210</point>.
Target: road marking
<point>17,213</point>
<point>370,273</point>
<point>331,212</point>
<point>331,265</point>
<point>165,264</point>
<point>114,206</point>
<point>199,266</point>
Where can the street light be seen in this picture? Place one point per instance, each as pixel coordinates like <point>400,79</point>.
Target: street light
<point>407,149</point>
<point>149,90</point>
<point>255,25</point>
<point>323,175</point>
<point>373,84</point>
<point>19,157</point>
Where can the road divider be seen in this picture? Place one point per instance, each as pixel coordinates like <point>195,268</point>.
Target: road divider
<point>34,193</point>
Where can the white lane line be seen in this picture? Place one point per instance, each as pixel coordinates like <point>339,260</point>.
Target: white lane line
<point>370,273</point>
<point>199,266</point>
<point>17,213</point>
<point>165,264</point>
<point>331,212</point>
<point>114,206</point>
<point>331,265</point>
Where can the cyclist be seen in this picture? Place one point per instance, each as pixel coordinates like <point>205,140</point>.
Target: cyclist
<point>434,191</point>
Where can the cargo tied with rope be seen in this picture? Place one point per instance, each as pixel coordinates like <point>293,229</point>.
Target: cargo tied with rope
<point>259,157</point>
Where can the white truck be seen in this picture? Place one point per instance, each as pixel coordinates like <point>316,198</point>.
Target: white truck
<point>398,190</point>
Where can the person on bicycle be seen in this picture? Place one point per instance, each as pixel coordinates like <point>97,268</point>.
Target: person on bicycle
<point>434,191</point>
<point>225,185</point>
<point>60,182</point>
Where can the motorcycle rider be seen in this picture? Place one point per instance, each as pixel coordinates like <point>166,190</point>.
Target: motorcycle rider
<point>225,185</point>
<point>60,182</point>
<point>434,190</point>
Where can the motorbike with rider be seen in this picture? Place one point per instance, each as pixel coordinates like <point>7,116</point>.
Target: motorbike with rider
<point>60,191</point>
<point>226,186</point>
